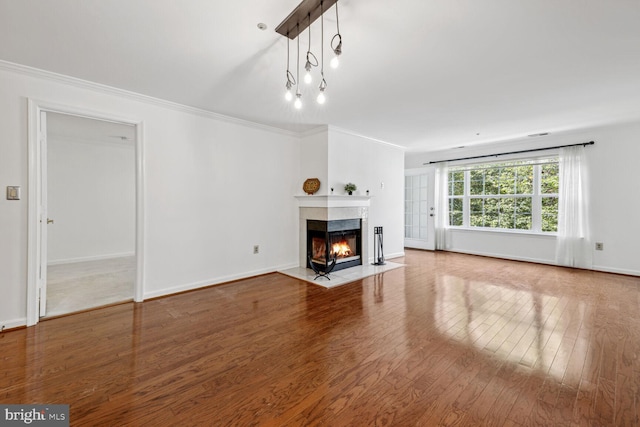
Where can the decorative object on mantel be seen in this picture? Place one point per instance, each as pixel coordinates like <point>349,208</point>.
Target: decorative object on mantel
<point>350,188</point>
<point>367,192</point>
<point>311,186</point>
<point>331,190</point>
<point>378,254</point>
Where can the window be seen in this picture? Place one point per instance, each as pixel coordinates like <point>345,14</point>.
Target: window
<point>520,195</point>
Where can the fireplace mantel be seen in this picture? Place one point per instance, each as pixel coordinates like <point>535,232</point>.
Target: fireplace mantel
<point>333,201</point>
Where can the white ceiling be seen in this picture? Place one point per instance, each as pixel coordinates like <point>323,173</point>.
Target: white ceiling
<point>423,74</point>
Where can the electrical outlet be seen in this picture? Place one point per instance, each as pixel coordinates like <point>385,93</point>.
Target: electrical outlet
<point>599,246</point>
<point>256,249</point>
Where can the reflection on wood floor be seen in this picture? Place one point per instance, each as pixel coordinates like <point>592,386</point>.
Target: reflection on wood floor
<point>449,339</point>
<point>81,285</point>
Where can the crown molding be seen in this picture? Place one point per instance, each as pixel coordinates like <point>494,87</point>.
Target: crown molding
<point>326,128</point>
<point>368,138</point>
<point>314,131</point>
<point>134,96</point>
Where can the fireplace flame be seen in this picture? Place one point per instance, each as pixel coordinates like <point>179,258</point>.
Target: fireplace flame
<point>341,249</point>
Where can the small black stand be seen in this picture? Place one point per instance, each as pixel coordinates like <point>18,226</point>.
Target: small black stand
<point>319,272</point>
<point>378,254</point>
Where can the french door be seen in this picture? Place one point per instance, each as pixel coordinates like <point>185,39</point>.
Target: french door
<point>419,225</point>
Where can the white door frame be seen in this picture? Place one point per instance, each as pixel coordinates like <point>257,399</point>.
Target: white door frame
<point>43,215</point>
<point>429,242</point>
<point>35,259</point>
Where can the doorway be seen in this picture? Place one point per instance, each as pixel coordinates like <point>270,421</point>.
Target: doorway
<point>85,211</point>
<point>419,213</point>
<point>90,196</point>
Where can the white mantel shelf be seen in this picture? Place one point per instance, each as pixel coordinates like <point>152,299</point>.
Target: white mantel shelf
<point>333,201</point>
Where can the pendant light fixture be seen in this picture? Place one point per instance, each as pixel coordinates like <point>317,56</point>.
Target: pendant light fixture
<point>298,20</point>
<point>298,101</point>
<point>291,81</point>
<point>323,83</point>
<point>312,61</point>
<point>338,39</point>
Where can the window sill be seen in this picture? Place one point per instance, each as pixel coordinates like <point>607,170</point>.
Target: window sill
<point>503,231</point>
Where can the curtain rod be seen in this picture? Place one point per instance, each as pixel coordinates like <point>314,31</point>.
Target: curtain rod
<point>584,144</point>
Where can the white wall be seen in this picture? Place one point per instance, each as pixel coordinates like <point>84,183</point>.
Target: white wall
<point>213,188</point>
<point>379,168</point>
<point>91,198</point>
<point>215,195</point>
<point>314,159</point>
<point>614,196</point>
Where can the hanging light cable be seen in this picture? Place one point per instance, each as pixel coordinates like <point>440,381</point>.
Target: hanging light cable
<point>323,83</point>
<point>310,56</point>
<point>291,81</point>
<point>298,101</point>
<point>338,49</point>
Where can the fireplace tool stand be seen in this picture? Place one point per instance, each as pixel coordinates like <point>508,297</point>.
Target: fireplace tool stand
<point>319,272</point>
<point>378,254</point>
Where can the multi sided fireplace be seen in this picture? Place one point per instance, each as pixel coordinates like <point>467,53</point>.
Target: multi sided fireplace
<point>339,239</point>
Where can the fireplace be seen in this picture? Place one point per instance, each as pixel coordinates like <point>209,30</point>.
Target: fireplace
<point>322,215</point>
<point>339,239</point>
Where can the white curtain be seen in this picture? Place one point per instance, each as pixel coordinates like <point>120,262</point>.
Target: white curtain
<point>442,206</point>
<point>573,247</point>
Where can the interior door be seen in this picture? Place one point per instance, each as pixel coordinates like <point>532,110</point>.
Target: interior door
<point>419,212</point>
<point>44,219</point>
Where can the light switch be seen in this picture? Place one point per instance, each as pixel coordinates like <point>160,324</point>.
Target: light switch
<point>13,192</point>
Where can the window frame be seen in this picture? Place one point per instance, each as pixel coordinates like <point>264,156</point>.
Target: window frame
<point>536,196</point>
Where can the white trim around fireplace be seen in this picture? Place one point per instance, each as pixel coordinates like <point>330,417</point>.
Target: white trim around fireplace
<point>332,201</point>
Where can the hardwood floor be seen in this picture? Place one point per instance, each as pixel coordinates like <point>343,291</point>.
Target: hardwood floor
<point>449,339</point>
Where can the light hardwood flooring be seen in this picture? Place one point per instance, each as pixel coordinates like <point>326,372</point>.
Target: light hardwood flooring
<point>81,285</point>
<point>449,339</point>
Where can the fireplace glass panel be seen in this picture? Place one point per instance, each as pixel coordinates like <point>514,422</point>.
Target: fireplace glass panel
<point>339,239</point>
<point>343,246</point>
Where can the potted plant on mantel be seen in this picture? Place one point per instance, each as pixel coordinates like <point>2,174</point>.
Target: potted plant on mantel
<point>350,188</point>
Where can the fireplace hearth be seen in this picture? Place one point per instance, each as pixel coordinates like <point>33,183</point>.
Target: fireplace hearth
<point>338,239</point>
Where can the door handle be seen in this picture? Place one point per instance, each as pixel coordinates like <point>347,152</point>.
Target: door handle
<point>49,221</point>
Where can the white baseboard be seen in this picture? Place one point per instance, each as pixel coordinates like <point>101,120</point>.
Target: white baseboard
<point>389,256</point>
<point>90,258</point>
<point>503,256</point>
<point>13,323</point>
<point>215,281</point>
<point>616,270</point>
<point>395,255</point>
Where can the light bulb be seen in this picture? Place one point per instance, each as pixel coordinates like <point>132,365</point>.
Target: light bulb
<point>321,98</point>
<point>335,62</point>
<point>288,95</point>
<point>308,78</point>
<point>298,102</point>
